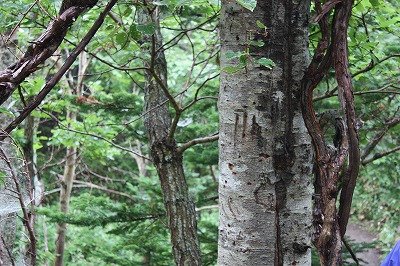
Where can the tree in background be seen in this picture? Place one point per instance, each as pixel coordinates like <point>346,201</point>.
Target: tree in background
<point>117,212</point>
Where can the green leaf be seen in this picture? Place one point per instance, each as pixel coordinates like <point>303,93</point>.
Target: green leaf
<point>243,59</point>
<point>149,28</point>
<point>230,55</point>
<point>248,4</point>
<point>121,38</point>
<point>256,43</point>
<point>268,63</point>
<point>5,111</point>
<point>260,25</point>
<point>374,2</point>
<point>232,69</point>
<point>134,33</point>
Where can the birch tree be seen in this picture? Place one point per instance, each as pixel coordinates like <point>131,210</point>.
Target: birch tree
<point>265,152</point>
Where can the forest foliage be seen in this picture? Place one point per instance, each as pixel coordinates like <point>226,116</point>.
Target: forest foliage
<point>117,214</point>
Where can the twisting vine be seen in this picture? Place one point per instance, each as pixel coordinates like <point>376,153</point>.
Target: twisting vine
<point>332,52</point>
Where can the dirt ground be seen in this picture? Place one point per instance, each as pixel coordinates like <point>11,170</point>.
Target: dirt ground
<point>358,234</point>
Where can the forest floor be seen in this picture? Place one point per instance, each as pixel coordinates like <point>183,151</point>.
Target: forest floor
<point>372,257</point>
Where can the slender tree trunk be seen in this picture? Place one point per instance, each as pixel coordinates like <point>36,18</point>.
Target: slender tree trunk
<point>265,153</point>
<point>69,171</point>
<point>167,160</point>
<point>8,221</point>
<point>65,196</point>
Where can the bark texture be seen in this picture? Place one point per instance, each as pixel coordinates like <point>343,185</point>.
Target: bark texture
<point>164,153</point>
<point>265,153</point>
<point>332,52</point>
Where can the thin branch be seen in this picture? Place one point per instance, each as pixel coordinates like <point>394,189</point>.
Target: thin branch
<point>95,136</point>
<point>373,64</point>
<point>56,78</point>
<point>207,208</point>
<point>380,155</point>
<point>91,185</point>
<point>4,244</point>
<point>332,93</point>
<point>28,220</point>
<point>378,137</point>
<point>353,255</point>
<point>193,142</point>
<point>19,22</point>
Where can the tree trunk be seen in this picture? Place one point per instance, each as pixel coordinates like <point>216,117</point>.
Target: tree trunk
<point>65,196</point>
<point>69,169</point>
<point>8,221</point>
<point>167,160</point>
<point>265,153</point>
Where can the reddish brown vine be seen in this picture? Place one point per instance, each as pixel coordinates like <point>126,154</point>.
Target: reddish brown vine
<point>332,52</point>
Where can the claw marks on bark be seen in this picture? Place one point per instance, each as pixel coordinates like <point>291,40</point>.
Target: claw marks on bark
<point>241,127</point>
<point>273,202</point>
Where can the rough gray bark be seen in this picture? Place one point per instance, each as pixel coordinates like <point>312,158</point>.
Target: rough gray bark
<point>165,155</point>
<point>265,153</point>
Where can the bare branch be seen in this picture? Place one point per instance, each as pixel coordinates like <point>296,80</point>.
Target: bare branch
<point>380,155</point>
<point>378,137</point>
<point>4,244</point>
<point>373,64</point>
<point>28,214</point>
<point>193,142</point>
<point>91,185</point>
<point>19,22</point>
<point>211,207</point>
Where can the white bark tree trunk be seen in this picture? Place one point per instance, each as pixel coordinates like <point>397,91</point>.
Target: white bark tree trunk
<point>265,153</point>
<point>8,221</point>
<point>69,170</point>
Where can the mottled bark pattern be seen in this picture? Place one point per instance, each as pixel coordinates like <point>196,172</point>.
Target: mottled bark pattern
<point>265,152</point>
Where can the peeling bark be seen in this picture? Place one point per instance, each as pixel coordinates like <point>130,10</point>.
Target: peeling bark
<point>332,51</point>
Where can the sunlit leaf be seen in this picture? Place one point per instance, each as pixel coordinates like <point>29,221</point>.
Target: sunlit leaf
<point>248,4</point>
<point>231,55</point>
<point>260,24</point>
<point>268,63</point>
<point>256,43</point>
